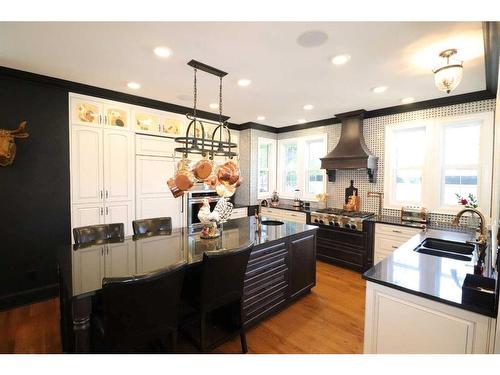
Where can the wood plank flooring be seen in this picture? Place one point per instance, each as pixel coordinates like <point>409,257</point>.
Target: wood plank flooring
<point>328,320</point>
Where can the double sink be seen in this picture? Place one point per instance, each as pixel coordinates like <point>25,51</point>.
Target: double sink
<point>447,249</point>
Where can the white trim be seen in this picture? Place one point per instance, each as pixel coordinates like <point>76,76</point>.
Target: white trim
<point>271,168</point>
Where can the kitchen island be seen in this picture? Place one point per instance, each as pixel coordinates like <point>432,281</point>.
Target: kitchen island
<point>281,269</point>
<point>415,302</point>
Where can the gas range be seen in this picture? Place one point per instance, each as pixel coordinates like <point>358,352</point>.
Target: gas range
<point>338,218</point>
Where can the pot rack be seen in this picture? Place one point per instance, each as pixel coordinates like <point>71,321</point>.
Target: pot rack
<point>216,144</point>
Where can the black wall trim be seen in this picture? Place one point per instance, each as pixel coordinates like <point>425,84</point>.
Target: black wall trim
<point>27,297</point>
<point>254,125</point>
<point>99,92</point>
<point>491,36</point>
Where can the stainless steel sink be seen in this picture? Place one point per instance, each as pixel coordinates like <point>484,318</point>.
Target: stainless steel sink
<point>272,222</point>
<point>447,249</point>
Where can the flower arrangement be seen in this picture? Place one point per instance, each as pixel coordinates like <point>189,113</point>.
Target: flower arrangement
<point>469,202</point>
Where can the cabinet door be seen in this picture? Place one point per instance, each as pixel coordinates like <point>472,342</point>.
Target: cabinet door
<point>116,115</point>
<point>87,214</point>
<point>154,198</point>
<point>146,122</point>
<point>120,212</point>
<point>88,269</point>
<point>86,164</point>
<point>118,165</point>
<point>154,146</point>
<point>302,264</point>
<point>119,259</point>
<point>86,111</point>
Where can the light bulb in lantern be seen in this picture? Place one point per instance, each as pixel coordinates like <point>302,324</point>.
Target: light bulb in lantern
<point>448,76</point>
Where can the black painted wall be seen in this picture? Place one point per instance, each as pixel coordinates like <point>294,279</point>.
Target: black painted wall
<point>34,191</point>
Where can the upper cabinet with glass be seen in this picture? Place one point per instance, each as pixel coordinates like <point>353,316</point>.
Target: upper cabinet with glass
<point>116,115</point>
<point>94,111</point>
<point>86,112</point>
<point>146,122</point>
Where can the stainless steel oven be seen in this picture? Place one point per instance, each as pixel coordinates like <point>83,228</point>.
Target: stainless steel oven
<point>195,200</point>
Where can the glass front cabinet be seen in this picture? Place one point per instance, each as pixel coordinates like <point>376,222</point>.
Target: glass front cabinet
<point>93,112</point>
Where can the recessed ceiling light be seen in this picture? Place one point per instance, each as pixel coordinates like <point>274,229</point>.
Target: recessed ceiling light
<point>308,107</point>
<point>407,100</point>
<point>379,89</point>
<point>213,105</point>
<point>244,82</point>
<point>261,118</point>
<point>301,121</point>
<point>134,85</point>
<point>312,38</point>
<point>163,52</point>
<point>340,59</point>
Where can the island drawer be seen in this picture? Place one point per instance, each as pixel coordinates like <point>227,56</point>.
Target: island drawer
<point>264,302</point>
<point>263,282</point>
<point>266,251</point>
<point>264,264</point>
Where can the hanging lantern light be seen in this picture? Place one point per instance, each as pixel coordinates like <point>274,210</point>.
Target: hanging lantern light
<point>449,75</point>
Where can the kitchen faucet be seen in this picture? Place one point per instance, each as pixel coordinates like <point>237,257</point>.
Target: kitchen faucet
<point>380,196</point>
<point>258,215</point>
<point>483,235</point>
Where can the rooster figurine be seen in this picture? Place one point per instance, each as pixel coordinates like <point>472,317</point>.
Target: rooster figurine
<point>209,221</point>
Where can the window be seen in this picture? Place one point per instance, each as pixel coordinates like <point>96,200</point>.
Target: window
<point>429,162</point>
<point>266,167</point>
<point>300,166</point>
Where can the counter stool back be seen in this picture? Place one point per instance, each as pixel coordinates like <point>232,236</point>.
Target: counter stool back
<point>152,226</point>
<point>141,310</point>
<point>95,234</point>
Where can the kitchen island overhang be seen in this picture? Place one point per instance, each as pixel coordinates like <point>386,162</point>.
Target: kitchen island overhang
<point>281,269</point>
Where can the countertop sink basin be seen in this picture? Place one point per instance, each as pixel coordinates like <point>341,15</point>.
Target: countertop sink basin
<point>446,249</point>
<point>272,222</point>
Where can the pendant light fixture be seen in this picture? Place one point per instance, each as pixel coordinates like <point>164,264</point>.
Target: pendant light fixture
<point>449,75</point>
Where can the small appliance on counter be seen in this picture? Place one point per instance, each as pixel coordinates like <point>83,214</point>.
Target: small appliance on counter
<point>275,199</point>
<point>417,216</point>
<point>297,201</point>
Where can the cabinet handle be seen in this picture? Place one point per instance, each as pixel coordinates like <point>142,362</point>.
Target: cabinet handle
<point>107,211</point>
<point>107,194</point>
<point>394,247</point>
<point>101,194</point>
<point>101,211</point>
<point>396,231</point>
<point>102,250</point>
<point>105,119</point>
<point>107,250</point>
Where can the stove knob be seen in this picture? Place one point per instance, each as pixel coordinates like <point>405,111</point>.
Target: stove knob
<point>321,222</point>
<point>348,226</point>
<point>336,223</point>
<point>316,220</point>
<point>331,223</point>
<point>353,226</point>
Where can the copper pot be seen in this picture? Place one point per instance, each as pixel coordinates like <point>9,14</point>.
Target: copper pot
<point>228,172</point>
<point>176,192</point>
<point>202,169</point>
<point>184,180</point>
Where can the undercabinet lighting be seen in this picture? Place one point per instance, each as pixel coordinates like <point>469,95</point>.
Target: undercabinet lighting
<point>301,121</point>
<point>162,52</point>
<point>213,105</point>
<point>408,100</point>
<point>308,107</point>
<point>261,118</point>
<point>379,89</point>
<point>244,82</point>
<point>340,59</point>
<point>134,85</point>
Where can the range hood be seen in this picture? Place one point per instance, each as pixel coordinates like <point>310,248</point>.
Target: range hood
<point>351,152</point>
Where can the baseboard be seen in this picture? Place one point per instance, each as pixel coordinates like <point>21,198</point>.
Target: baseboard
<point>29,296</point>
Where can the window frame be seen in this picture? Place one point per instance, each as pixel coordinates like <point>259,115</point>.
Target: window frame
<point>271,168</point>
<point>433,167</point>
<point>302,166</point>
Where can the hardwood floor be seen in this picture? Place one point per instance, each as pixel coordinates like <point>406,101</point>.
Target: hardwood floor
<point>328,320</point>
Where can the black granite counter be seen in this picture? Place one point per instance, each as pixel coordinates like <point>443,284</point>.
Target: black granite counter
<point>429,276</point>
<point>396,220</point>
<point>85,267</point>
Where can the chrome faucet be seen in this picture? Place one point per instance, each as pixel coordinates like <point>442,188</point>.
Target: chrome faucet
<point>380,196</point>
<point>258,214</point>
<point>483,232</point>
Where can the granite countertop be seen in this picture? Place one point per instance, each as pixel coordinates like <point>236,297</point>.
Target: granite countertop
<point>289,207</point>
<point>151,253</point>
<point>429,276</point>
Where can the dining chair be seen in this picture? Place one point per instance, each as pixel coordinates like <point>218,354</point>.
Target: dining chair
<point>152,226</point>
<point>140,311</point>
<point>221,284</point>
<point>100,233</point>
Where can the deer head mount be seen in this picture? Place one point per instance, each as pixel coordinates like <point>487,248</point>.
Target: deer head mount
<point>8,145</point>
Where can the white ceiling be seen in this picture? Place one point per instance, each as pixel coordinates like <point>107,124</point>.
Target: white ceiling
<point>285,76</point>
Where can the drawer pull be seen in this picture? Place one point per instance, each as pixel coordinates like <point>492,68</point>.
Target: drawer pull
<point>396,231</point>
<point>394,247</point>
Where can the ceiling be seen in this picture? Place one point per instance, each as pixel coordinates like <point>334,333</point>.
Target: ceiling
<point>285,74</point>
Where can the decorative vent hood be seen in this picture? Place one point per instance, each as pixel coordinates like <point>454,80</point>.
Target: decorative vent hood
<point>351,152</point>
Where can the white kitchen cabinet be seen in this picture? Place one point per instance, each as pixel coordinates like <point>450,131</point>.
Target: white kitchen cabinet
<point>119,259</point>
<point>153,197</point>
<point>118,166</point>
<point>154,146</point>
<point>120,212</point>
<point>239,213</point>
<point>88,269</point>
<point>158,252</point>
<point>116,115</point>
<point>87,185</point>
<point>85,110</point>
<point>389,237</point>
<point>281,214</point>
<point>87,214</point>
<point>401,323</point>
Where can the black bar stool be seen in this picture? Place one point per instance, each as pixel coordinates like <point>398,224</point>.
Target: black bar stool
<point>152,226</point>
<point>96,234</point>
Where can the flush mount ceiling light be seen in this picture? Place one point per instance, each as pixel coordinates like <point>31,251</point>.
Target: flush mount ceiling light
<point>213,105</point>
<point>244,82</point>
<point>379,89</point>
<point>308,107</point>
<point>312,38</point>
<point>301,121</point>
<point>449,75</point>
<point>340,59</point>
<point>133,85</point>
<point>408,100</point>
<point>261,118</point>
<point>162,52</point>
